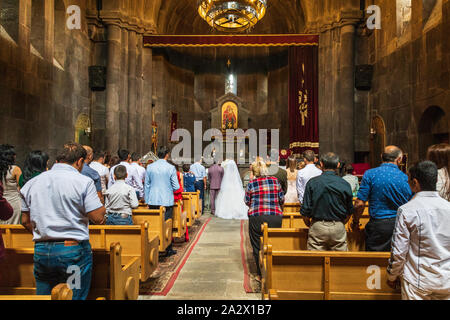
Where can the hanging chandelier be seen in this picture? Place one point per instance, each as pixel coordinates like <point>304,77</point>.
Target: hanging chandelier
<point>232,16</point>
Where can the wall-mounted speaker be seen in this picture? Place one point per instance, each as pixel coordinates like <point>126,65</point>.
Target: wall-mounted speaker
<point>363,77</point>
<point>97,78</point>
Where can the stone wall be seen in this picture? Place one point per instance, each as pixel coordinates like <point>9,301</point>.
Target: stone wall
<point>411,74</point>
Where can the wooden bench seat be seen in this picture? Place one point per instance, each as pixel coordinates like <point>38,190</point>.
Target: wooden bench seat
<point>134,240</point>
<point>60,292</point>
<point>291,208</point>
<point>110,278</point>
<point>189,207</point>
<point>305,275</point>
<point>179,220</point>
<point>157,224</point>
<point>197,202</point>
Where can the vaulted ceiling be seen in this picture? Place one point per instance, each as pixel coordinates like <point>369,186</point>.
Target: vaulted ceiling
<point>181,17</point>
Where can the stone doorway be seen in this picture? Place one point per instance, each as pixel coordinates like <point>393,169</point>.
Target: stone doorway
<point>433,129</point>
<point>83,130</point>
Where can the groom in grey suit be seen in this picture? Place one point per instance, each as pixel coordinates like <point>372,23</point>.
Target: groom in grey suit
<point>215,175</point>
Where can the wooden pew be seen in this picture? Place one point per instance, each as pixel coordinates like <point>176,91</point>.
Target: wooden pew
<point>292,239</point>
<point>291,208</point>
<point>197,202</point>
<point>134,240</point>
<point>189,206</point>
<point>135,243</point>
<point>179,220</point>
<point>110,278</point>
<point>292,220</point>
<point>60,292</point>
<point>157,225</point>
<point>314,275</point>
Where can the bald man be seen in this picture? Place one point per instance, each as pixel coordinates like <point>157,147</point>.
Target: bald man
<point>386,188</point>
<point>91,173</point>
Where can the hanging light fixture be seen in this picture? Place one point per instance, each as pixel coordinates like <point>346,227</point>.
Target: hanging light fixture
<point>232,16</point>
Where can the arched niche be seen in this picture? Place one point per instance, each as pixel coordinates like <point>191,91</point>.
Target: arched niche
<point>433,129</point>
<point>377,141</point>
<point>83,130</point>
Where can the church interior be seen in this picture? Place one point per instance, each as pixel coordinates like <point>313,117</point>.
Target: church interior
<point>124,74</point>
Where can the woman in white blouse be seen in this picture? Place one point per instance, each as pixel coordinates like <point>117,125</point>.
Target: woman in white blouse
<point>440,154</point>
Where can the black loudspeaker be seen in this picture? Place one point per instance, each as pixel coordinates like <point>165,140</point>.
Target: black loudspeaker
<point>97,78</point>
<point>363,77</point>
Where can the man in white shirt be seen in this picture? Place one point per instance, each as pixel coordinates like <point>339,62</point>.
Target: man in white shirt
<point>200,179</point>
<point>98,165</point>
<point>308,172</point>
<point>135,159</point>
<point>420,255</point>
<point>133,178</point>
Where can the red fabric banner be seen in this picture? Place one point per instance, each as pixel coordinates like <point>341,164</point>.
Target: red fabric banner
<point>233,40</point>
<point>303,99</point>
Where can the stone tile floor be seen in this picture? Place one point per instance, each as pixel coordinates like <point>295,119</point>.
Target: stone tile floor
<point>214,269</point>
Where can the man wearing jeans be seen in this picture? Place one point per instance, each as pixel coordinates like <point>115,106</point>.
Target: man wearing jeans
<point>200,179</point>
<point>387,189</point>
<point>56,208</point>
<point>160,183</point>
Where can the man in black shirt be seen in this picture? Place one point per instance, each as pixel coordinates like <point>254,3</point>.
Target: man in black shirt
<point>327,206</point>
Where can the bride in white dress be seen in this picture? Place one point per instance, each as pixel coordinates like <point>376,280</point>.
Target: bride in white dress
<point>230,202</point>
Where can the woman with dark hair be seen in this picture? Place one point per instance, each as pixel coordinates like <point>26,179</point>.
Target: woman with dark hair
<point>9,175</point>
<point>113,162</point>
<point>291,194</point>
<point>35,163</point>
<point>440,155</point>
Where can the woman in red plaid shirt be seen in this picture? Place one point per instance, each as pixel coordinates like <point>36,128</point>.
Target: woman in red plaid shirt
<point>264,197</point>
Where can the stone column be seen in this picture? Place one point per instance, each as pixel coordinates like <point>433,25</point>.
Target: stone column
<point>123,98</point>
<point>131,145</point>
<point>113,84</point>
<point>346,143</point>
<point>139,91</point>
<point>146,117</point>
<point>49,30</point>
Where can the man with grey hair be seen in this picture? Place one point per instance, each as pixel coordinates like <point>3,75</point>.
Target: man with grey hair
<point>327,206</point>
<point>387,189</point>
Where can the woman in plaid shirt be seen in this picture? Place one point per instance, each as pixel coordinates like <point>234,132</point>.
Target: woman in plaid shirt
<point>264,197</point>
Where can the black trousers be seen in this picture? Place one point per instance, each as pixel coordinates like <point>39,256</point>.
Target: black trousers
<point>168,215</point>
<point>379,234</point>
<point>254,230</point>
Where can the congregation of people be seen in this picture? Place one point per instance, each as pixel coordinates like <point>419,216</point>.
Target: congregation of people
<point>409,212</point>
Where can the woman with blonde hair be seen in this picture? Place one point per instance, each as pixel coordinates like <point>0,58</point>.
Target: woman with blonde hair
<point>264,196</point>
<point>440,155</point>
<point>291,194</point>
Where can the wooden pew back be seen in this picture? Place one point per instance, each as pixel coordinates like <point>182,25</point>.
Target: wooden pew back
<point>304,275</point>
<point>60,292</point>
<point>179,220</point>
<point>157,225</point>
<point>189,206</point>
<point>197,202</point>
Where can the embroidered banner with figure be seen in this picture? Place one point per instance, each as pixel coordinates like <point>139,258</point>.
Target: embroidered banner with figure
<point>303,99</point>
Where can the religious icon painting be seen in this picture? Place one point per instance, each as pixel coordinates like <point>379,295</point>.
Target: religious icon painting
<point>229,115</point>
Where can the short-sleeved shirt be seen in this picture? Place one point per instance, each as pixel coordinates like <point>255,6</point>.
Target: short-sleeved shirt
<point>103,171</point>
<point>264,197</point>
<point>121,198</point>
<point>327,198</point>
<point>58,202</point>
<point>189,181</point>
<point>91,173</point>
<point>386,188</point>
<point>199,171</point>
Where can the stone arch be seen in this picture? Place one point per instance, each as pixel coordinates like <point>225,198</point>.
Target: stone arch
<point>59,50</point>
<point>432,129</point>
<point>9,19</point>
<point>83,129</point>
<point>378,140</point>
<point>37,32</point>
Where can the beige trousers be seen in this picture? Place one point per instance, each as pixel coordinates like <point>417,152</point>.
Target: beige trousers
<point>327,236</point>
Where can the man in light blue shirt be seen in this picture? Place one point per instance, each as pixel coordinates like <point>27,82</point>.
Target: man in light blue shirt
<point>160,183</point>
<point>56,208</point>
<point>200,179</point>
